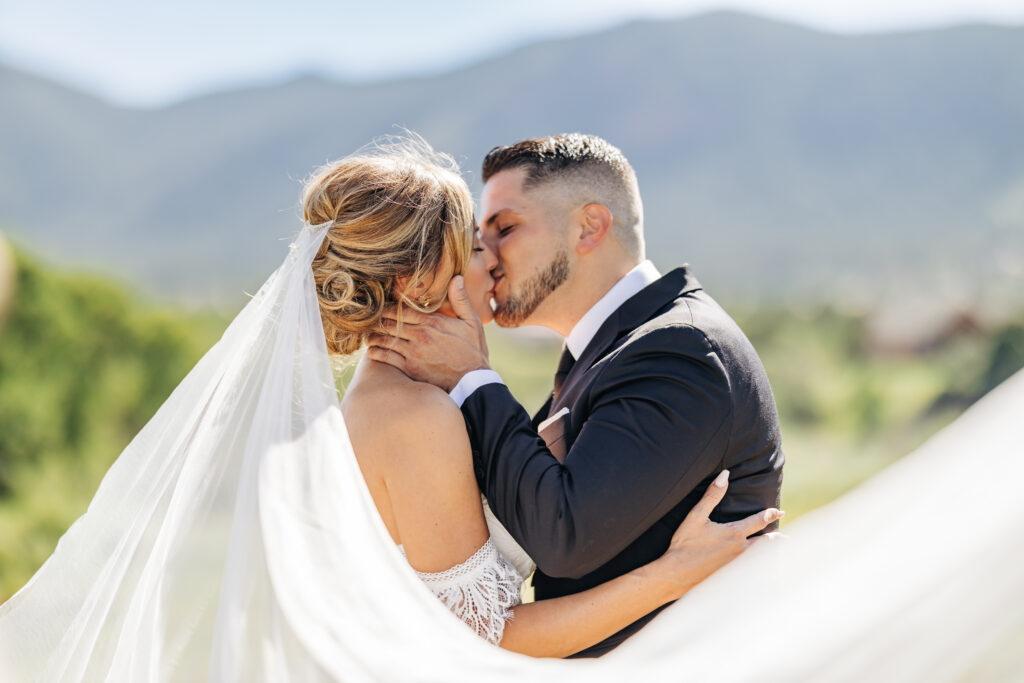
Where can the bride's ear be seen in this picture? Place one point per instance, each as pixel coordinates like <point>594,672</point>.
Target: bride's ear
<point>403,289</point>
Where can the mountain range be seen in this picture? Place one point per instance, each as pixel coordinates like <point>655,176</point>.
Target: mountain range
<point>780,161</point>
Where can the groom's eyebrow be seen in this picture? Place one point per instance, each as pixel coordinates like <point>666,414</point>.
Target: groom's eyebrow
<point>494,216</point>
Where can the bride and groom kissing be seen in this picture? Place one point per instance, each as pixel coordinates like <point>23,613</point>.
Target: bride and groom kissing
<point>249,531</point>
<point>656,395</point>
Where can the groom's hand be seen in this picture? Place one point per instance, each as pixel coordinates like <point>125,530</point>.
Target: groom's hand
<point>434,347</point>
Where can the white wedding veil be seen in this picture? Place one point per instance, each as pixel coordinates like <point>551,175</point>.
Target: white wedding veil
<point>234,540</point>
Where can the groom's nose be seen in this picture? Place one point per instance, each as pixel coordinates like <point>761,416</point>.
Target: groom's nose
<point>490,238</point>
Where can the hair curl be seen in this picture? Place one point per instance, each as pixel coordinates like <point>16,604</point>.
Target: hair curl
<point>396,210</point>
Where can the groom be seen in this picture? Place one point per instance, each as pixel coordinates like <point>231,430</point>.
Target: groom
<point>657,390</point>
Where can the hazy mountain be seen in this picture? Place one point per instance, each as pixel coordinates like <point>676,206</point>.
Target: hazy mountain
<point>776,159</point>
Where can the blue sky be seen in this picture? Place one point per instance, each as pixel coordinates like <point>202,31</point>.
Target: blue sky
<point>148,53</point>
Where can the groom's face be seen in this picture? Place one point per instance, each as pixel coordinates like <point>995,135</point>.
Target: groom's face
<point>529,236</point>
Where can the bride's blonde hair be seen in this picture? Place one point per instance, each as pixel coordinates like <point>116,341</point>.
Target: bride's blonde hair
<point>399,209</point>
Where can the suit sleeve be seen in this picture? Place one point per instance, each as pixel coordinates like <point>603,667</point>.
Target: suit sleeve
<point>656,426</point>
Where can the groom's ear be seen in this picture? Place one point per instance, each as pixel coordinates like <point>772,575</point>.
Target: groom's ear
<point>595,224</point>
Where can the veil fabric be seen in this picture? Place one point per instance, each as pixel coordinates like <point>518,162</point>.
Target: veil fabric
<point>234,540</point>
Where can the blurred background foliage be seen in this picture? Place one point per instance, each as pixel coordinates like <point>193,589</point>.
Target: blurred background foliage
<point>85,362</point>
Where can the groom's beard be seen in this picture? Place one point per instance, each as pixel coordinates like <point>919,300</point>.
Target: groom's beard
<point>519,306</point>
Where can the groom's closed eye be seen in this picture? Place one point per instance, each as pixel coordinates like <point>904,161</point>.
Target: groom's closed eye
<point>504,217</point>
<point>489,232</point>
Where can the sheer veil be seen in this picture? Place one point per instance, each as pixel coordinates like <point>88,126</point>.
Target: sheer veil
<point>234,540</point>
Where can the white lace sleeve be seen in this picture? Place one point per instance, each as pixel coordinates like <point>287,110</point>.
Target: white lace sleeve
<point>481,591</point>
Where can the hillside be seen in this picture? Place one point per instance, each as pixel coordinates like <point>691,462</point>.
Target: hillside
<point>779,161</point>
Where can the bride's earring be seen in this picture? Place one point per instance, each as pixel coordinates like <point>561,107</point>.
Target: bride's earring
<point>424,301</point>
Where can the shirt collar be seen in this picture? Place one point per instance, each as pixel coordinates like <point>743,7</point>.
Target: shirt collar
<point>630,283</point>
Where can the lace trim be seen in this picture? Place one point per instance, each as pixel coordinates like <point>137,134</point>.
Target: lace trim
<point>480,591</point>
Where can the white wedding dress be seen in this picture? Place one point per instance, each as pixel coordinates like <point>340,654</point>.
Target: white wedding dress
<point>235,540</point>
<point>482,590</point>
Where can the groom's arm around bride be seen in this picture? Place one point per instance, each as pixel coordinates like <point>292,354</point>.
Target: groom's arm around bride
<point>657,391</point>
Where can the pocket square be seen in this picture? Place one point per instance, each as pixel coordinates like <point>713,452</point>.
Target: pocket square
<point>546,423</point>
<point>552,431</point>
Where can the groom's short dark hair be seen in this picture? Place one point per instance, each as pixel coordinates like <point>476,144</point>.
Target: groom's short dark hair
<point>594,170</point>
<point>546,157</point>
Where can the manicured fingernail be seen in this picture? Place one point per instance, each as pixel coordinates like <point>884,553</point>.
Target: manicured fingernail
<point>722,479</point>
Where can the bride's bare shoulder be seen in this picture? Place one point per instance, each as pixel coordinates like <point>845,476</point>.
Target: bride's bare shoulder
<point>411,442</point>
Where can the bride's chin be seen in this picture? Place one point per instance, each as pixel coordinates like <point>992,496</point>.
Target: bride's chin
<point>486,315</point>
<point>486,312</point>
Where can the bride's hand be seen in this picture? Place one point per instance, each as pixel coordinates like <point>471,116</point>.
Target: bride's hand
<point>700,547</point>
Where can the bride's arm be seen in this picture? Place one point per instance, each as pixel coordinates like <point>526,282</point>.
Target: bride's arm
<point>436,503</point>
<point>559,627</point>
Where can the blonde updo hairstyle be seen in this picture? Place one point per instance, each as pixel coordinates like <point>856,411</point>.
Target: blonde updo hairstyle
<point>399,210</point>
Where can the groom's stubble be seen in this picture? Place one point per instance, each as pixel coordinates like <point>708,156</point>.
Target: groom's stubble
<point>521,304</point>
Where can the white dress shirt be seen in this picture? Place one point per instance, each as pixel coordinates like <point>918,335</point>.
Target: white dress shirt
<point>582,332</point>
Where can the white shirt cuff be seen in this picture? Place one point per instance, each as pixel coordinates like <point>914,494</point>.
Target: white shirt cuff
<point>472,381</point>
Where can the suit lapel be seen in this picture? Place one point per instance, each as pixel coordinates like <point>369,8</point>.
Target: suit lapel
<point>637,310</point>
